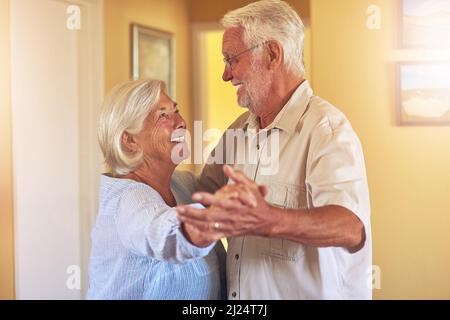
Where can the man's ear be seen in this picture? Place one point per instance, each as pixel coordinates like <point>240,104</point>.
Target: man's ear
<point>129,142</point>
<point>275,53</point>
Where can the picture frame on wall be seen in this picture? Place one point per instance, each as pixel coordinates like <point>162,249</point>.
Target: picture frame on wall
<point>152,55</point>
<point>424,24</point>
<point>423,96</point>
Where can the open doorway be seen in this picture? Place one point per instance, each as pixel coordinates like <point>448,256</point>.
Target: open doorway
<point>215,102</point>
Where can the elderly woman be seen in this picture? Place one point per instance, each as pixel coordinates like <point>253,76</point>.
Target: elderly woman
<point>139,248</point>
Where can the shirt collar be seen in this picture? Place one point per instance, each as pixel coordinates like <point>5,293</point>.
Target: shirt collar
<point>287,118</point>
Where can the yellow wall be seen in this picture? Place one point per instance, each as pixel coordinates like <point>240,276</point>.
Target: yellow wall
<point>307,54</point>
<point>408,167</point>
<point>6,206</point>
<point>167,15</point>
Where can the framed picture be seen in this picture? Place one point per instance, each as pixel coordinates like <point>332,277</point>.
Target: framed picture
<point>152,55</point>
<point>425,23</point>
<point>423,93</point>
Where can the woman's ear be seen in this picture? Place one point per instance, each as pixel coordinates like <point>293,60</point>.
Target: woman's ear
<point>275,53</point>
<point>129,142</point>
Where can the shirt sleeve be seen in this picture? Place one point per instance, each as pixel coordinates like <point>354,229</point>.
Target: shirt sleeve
<point>336,172</point>
<point>148,227</point>
<point>211,179</point>
<point>183,186</point>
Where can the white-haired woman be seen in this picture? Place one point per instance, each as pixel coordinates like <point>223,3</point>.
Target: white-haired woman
<point>139,249</point>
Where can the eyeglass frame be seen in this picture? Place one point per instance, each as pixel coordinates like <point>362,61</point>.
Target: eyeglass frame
<point>228,61</point>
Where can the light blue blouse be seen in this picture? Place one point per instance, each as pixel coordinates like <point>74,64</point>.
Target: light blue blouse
<point>139,252</point>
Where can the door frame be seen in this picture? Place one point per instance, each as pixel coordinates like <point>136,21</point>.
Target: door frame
<point>91,84</point>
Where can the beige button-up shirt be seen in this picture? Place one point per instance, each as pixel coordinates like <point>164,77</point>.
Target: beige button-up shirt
<point>308,157</point>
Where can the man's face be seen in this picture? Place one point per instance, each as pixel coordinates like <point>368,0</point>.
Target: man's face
<point>246,72</point>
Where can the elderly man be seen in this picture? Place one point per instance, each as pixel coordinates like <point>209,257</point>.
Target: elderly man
<point>307,235</point>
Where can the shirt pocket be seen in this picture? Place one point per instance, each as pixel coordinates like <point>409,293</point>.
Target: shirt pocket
<point>285,196</point>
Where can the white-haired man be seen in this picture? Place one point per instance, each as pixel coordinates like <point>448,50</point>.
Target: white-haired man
<point>310,236</point>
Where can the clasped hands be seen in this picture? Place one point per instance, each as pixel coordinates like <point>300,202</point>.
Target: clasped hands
<point>234,210</point>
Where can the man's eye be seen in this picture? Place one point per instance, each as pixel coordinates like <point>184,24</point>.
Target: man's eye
<point>163,115</point>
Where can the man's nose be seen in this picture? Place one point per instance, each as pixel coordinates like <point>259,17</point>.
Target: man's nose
<point>227,76</point>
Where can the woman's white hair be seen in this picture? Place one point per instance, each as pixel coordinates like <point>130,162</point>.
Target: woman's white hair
<point>124,110</point>
<point>271,20</point>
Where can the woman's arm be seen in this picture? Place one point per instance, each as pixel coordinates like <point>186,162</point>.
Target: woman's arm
<point>148,227</point>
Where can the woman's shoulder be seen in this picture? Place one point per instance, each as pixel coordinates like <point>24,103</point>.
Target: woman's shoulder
<point>116,190</point>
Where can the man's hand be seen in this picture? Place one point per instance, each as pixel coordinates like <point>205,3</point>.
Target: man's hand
<point>235,210</point>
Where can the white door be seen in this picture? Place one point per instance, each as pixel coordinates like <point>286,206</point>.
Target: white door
<point>57,82</point>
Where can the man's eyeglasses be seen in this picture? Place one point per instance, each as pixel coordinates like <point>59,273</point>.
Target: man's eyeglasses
<point>230,61</point>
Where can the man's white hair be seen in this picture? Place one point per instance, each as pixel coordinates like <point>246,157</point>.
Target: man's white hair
<point>271,20</point>
<point>124,110</point>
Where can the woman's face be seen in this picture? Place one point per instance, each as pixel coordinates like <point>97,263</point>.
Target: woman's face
<point>163,134</point>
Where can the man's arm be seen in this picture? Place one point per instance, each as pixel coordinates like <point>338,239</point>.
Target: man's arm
<point>211,179</point>
<point>327,226</point>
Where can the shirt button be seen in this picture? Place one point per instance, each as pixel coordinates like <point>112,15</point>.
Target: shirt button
<point>234,294</point>
<point>257,146</point>
<point>236,256</point>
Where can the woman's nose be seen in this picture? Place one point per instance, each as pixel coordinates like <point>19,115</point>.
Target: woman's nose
<point>180,123</point>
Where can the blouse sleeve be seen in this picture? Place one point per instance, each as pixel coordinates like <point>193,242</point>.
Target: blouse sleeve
<point>148,227</point>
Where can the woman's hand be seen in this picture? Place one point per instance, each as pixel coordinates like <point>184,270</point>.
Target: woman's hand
<point>197,237</point>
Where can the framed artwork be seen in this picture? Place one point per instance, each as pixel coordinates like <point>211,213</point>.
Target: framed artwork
<point>425,23</point>
<point>423,93</point>
<point>152,55</point>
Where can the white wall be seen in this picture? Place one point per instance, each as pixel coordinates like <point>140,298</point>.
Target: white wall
<point>53,144</point>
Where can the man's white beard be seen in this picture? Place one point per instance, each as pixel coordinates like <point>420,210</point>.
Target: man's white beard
<point>257,90</point>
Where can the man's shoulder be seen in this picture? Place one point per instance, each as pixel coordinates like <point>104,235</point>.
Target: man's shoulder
<point>240,121</point>
<point>323,113</point>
